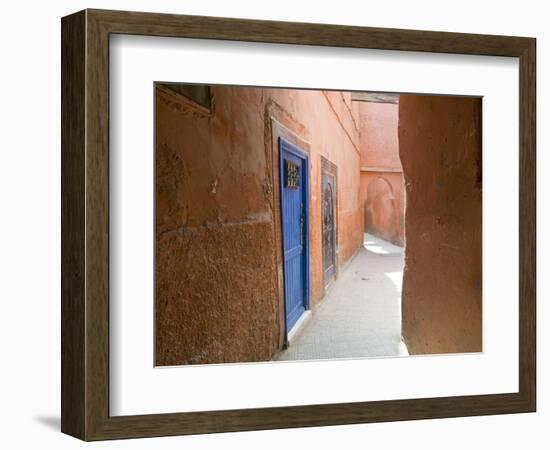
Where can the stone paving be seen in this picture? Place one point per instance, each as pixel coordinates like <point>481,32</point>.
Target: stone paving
<point>360,317</point>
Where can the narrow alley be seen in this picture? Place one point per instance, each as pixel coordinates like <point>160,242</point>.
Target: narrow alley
<point>263,197</point>
<point>361,313</point>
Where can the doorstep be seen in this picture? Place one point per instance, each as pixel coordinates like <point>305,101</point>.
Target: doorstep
<point>299,326</point>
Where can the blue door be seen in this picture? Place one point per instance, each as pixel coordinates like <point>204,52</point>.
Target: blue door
<point>294,184</point>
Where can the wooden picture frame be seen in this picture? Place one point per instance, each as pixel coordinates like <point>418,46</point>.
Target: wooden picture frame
<point>85,224</point>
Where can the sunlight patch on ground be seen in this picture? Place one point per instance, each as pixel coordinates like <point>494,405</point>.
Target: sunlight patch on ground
<point>396,278</point>
<point>374,248</point>
<point>378,246</point>
<point>402,349</point>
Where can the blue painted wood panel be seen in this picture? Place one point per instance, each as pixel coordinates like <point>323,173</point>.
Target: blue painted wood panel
<point>294,182</point>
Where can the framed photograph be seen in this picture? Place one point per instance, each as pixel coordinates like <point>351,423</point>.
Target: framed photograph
<point>273,225</point>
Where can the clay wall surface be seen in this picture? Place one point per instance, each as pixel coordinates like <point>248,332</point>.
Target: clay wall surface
<point>382,186</point>
<point>379,139</point>
<point>384,205</point>
<point>218,263</point>
<point>440,149</point>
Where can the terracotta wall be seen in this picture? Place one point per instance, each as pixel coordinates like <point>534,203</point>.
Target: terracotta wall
<point>440,148</point>
<point>382,185</point>
<point>379,139</point>
<point>218,264</point>
<point>383,195</point>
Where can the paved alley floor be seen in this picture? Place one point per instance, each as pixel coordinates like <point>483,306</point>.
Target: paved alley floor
<point>361,314</point>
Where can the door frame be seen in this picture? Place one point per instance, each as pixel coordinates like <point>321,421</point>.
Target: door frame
<point>284,144</point>
<point>329,168</point>
<point>327,281</point>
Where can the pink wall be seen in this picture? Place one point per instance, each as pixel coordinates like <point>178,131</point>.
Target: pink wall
<point>384,205</point>
<point>382,187</point>
<point>379,140</point>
